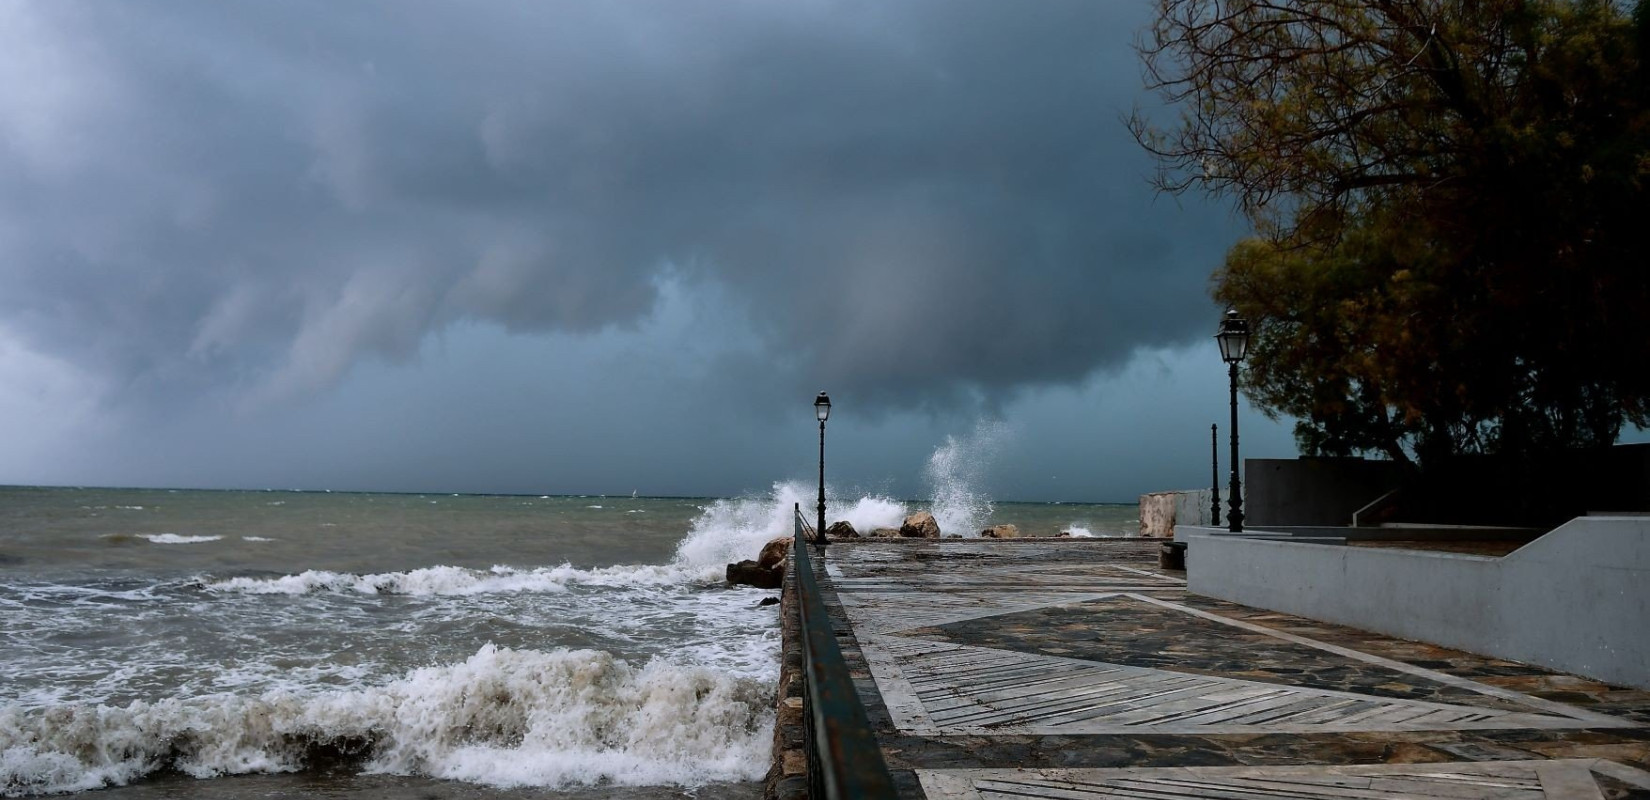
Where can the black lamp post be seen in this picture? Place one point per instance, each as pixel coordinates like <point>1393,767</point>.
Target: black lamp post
<point>822,409</point>
<point>1214,474</point>
<point>1234,345</point>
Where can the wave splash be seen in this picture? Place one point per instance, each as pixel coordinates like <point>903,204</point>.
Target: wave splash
<point>956,471</point>
<point>503,718</point>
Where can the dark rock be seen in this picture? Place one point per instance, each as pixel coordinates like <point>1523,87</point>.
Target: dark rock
<point>1066,534</point>
<point>842,530</point>
<point>920,525</point>
<point>768,601</point>
<point>884,533</point>
<point>774,552</point>
<point>953,536</point>
<point>792,788</point>
<point>750,573</point>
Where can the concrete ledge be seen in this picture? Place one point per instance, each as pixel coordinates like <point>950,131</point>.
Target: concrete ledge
<point>1576,599</point>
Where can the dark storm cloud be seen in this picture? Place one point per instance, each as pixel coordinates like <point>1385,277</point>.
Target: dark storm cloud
<point>912,201</point>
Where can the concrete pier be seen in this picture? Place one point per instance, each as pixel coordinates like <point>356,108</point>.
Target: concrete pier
<point>1079,669</point>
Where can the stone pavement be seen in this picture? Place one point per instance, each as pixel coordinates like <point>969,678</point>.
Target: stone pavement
<point>1078,669</point>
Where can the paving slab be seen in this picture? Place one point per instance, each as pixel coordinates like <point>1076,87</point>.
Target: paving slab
<point>1078,669</point>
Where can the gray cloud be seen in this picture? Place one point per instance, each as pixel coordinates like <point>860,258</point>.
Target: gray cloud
<point>920,203</point>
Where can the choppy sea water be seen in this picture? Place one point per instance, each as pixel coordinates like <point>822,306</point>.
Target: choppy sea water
<point>241,644</point>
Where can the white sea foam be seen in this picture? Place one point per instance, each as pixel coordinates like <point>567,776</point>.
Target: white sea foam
<point>1077,530</point>
<point>503,717</point>
<point>256,539</point>
<point>173,538</point>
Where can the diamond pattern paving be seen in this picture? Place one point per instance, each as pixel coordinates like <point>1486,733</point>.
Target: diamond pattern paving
<point>1055,668</point>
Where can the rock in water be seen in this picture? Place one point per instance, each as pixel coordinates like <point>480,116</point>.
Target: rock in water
<point>842,530</point>
<point>750,573</point>
<point>1001,532</point>
<point>774,552</point>
<point>920,525</point>
<point>884,533</point>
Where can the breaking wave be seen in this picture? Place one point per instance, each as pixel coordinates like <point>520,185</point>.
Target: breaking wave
<point>503,717</point>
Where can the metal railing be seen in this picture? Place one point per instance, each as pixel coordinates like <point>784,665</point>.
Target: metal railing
<point>844,760</point>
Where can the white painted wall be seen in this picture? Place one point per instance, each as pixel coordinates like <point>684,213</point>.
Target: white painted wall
<point>1576,600</point>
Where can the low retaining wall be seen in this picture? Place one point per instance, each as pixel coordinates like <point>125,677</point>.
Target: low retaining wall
<point>1577,599</point>
<point>787,777</point>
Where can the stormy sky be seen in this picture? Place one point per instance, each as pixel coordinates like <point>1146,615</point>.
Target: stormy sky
<point>582,247</point>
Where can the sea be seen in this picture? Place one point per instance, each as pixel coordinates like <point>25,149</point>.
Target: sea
<point>238,644</point>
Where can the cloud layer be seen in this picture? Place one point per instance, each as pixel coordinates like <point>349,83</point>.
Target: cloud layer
<point>917,202</point>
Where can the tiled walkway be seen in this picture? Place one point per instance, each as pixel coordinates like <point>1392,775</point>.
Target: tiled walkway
<point>1077,669</point>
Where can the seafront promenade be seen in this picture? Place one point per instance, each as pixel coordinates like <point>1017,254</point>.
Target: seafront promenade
<point>1079,669</point>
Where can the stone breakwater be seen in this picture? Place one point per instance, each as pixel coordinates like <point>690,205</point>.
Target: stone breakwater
<point>787,777</point>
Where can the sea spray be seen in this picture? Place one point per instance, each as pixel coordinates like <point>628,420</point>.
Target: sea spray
<point>956,472</point>
<point>734,530</point>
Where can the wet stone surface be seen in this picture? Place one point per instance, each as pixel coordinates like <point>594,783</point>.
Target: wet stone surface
<point>1065,668</point>
<point>1167,639</point>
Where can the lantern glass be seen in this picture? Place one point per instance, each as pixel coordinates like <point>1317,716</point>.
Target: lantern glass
<point>1233,337</point>
<point>822,406</point>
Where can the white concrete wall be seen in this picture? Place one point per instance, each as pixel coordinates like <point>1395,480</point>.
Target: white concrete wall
<point>1576,600</point>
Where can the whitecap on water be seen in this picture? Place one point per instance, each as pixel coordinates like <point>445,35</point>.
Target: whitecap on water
<point>173,538</point>
<point>459,581</point>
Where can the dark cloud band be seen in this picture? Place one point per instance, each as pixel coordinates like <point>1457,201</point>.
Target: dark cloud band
<point>917,202</point>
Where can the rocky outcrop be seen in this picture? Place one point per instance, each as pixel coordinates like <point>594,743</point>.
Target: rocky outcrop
<point>750,573</point>
<point>920,525</point>
<point>884,533</point>
<point>774,552</point>
<point>1063,534</point>
<point>767,571</point>
<point>1001,532</point>
<point>841,530</point>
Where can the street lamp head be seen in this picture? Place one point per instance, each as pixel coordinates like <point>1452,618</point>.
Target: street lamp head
<point>822,406</point>
<point>1233,337</point>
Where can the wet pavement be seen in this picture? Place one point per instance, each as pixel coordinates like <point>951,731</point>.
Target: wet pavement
<point>1078,669</point>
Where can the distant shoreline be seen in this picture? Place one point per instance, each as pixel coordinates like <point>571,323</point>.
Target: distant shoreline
<point>534,495</point>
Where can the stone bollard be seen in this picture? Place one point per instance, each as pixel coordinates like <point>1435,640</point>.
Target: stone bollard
<point>1172,555</point>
